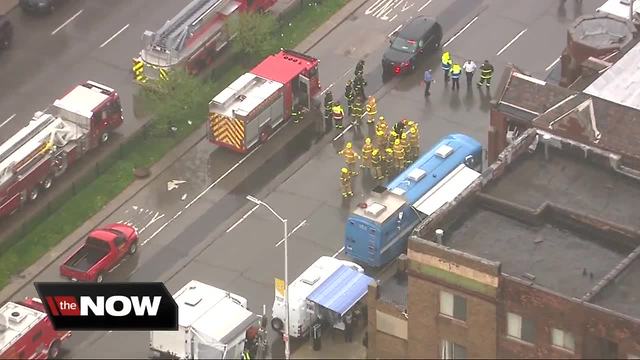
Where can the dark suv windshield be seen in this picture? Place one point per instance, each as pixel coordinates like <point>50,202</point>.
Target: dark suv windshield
<point>408,46</point>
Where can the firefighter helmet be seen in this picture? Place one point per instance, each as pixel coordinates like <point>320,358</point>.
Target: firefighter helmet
<point>367,141</point>
<point>381,118</point>
<point>397,142</point>
<point>404,136</point>
<point>389,151</point>
<point>344,170</point>
<point>412,130</point>
<point>349,145</point>
<point>374,152</point>
<point>349,82</point>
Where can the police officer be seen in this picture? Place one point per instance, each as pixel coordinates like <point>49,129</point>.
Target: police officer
<point>446,64</point>
<point>398,155</point>
<point>328,104</point>
<point>359,71</point>
<point>372,110</point>
<point>486,72</point>
<point>345,183</point>
<point>338,114</point>
<point>296,113</point>
<point>376,165</point>
<point>350,157</point>
<point>349,95</point>
<point>367,149</point>
<point>456,71</point>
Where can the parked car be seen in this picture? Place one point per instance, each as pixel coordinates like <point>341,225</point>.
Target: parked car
<point>103,249</point>
<point>422,35</point>
<point>6,32</point>
<point>40,6</point>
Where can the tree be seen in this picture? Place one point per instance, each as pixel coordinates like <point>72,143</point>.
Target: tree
<point>255,34</point>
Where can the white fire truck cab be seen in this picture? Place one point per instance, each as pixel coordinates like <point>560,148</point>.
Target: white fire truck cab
<point>27,333</point>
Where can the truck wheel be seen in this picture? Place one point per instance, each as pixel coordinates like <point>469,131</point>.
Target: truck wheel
<point>54,350</point>
<point>33,194</point>
<point>133,248</point>
<point>104,137</point>
<point>277,324</point>
<point>99,278</point>
<point>47,182</point>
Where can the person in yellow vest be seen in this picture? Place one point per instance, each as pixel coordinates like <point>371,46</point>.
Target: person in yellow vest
<point>381,139</point>
<point>382,126</point>
<point>446,64</point>
<point>398,155</point>
<point>338,114</point>
<point>350,157</point>
<point>456,72</point>
<point>345,183</point>
<point>388,161</point>
<point>404,142</point>
<point>376,165</point>
<point>372,110</point>
<point>367,149</point>
<point>414,144</point>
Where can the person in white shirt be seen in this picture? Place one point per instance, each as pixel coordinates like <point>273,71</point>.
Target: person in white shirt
<point>469,69</point>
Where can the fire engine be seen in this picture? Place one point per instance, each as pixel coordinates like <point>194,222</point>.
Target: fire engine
<point>249,110</point>
<point>55,139</point>
<point>192,39</point>
<point>27,333</point>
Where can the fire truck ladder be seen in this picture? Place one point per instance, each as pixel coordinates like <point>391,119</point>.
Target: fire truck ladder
<point>35,131</point>
<point>174,34</point>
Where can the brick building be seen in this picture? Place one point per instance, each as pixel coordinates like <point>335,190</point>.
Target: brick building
<point>538,258</point>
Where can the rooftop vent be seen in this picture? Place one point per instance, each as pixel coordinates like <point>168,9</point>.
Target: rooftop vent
<point>444,151</point>
<point>398,191</point>
<point>375,209</point>
<point>416,174</point>
<point>192,298</point>
<point>379,189</point>
<point>311,278</point>
<point>16,317</point>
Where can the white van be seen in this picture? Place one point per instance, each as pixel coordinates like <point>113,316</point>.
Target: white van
<point>300,318</point>
<point>619,8</point>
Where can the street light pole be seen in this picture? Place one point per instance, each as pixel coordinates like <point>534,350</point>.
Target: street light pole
<point>287,350</point>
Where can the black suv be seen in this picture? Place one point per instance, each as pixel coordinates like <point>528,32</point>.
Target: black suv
<point>39,6</point>
<point>422,34</point>
<point>6,32</point>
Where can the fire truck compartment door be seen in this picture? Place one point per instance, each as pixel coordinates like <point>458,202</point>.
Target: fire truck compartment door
<point>304,94</point>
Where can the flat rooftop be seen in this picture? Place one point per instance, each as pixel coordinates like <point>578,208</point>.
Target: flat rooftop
<point>534,245</point>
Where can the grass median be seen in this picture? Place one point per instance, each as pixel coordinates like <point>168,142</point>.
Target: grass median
<point>142,151</point>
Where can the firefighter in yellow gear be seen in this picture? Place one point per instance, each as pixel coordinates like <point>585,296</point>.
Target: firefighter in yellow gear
<point>350,158</point>
<point>381,139</point>
<point>404,142</point>
<point>372,110</point>
<point>376,165</point>
<point>382,126</point>
<point>367,149</point>
<point>393,136</point>
<point>358,110</point>
<point>398,155</point>
<point>345,183</point>
<point>388,161</point>
<point>338,114</point>
<point>414,144</point>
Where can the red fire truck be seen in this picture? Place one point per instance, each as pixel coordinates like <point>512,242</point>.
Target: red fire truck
<point>192,39</point>
<point>249,110</point>
<point>33,158</point>
<point>27,333</point>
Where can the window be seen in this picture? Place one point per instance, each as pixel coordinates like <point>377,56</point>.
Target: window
<point>451,350</point>
<point>562,339</point>
<point>520,328</point>
<point>120,241</point>
<point>453,306</point>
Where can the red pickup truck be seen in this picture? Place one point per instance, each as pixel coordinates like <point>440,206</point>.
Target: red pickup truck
<point>103,249</point>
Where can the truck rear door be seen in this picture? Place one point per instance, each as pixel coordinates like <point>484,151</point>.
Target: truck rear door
<point>303,92</point>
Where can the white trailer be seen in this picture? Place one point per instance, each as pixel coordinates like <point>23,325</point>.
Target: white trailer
<point>620,8</point>
<point>301,313</point>
<point>212,325</point>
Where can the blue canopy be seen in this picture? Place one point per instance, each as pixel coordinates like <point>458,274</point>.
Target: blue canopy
<point>341,290</point>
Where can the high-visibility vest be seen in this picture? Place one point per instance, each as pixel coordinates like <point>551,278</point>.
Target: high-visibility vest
<point>338,113</point>
<point>446,64</point>
<point>246,355</point>
<point>456,70</point>
<point>372,109</point>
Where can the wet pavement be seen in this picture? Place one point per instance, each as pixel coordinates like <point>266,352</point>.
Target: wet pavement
<point>216,236</point>
<point>42,66</point>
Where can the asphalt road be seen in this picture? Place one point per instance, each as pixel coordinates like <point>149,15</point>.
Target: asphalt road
<point>78,42</point>
<point>215,235</point>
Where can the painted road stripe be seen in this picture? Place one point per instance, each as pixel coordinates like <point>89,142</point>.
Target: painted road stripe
<point>66,22</point>
<point>460,32</point>
<point>425,5</point>
<point>547,68</point>
<point>8,119</point>
<point>243,218</point>
<point>338,253</point>
<point>511,42</point>
<point>292,231</point>
<point>114,35</point>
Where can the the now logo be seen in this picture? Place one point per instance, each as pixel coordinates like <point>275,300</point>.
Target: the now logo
<point>110,306</point>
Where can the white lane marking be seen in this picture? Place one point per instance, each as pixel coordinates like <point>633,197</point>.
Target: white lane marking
<point>460,32</point>
<point>114,35</point>
<point>115,267</point>
<point>8,119</point>
<point>327,89</point>
<point>393,18</point>
<point>66,22</point>
<point>343,131</point>
<point>292,231</point>
<point>338,253</point>
<point>511,42</point>
<point>425,5</point>
<point>347,72</point>
<point>394,30</point>
<point>546,69</point>
<point>243,218</point>
<point>155,218</point>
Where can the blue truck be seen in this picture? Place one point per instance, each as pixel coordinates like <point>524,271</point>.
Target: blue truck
<point>377,230</point>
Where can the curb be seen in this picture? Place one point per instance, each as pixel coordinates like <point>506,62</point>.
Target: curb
<point>28,275</point>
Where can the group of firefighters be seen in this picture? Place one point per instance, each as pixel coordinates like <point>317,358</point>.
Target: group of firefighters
<point>356,106</point>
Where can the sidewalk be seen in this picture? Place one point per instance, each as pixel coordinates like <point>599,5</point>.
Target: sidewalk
<point>7,5</point>
<point>334,346</point>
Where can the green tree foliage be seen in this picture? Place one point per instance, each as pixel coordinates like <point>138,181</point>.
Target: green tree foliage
<point>255,34</point>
